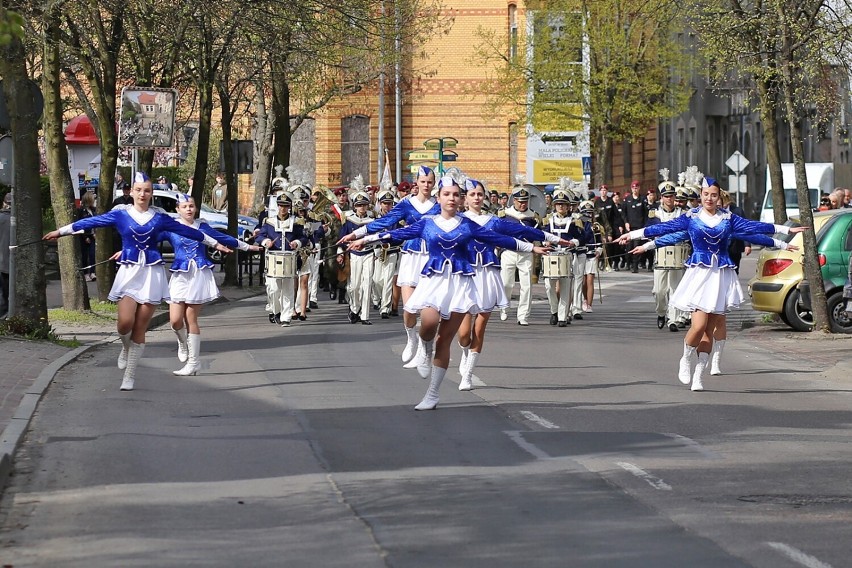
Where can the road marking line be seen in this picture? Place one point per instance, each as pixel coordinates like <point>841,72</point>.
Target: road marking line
<point>654,482</point>
<point>798,556</point>
<point>532,449</point>
<point>532,417</point>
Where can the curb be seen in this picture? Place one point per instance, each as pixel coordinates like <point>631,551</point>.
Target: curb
<point>14,432</point>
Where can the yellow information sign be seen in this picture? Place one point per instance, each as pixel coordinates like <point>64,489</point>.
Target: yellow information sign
<point>416,155</point>
<point>549,171</point>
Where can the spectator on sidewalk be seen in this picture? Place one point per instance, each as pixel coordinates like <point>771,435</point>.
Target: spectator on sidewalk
<point>87,239</point>
<point>5,234</point>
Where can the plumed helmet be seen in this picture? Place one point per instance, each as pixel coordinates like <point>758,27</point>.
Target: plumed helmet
<point>520,193</point>
<point>360,197</point>
<point>284,198</point>
<point>386,195</point>
<point>562,196</point>
<point>587,206</point>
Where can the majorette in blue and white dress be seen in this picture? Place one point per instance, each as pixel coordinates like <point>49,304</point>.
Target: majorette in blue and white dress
<point>446,282</point>
<point>486,264</point>
<point>710,283</point>
<point>141,274</point>
<point>192,278</point>
<point>414,253</point>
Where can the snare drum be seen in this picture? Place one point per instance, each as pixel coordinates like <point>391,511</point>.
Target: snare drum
<point>556,265</point>
<point>280,264</point>
<point>672,257</point>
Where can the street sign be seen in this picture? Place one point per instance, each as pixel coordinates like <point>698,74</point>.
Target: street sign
<point>449,158</point>
<point>416,155</point>
<point>437,143</point>
<point>587,165</point>
<point>413,167</point>
<point>737,183</point>
<point>737,162</point>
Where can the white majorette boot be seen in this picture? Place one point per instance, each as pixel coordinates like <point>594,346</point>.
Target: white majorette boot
<point>424,367</point>
<point>716,357</point>
<point>430,401</point>
<point>703,358</point>
<point>183,350</point>
<point>466,383</point>
<point>125,345</point>
<point>410,344</point>
<point>463,360</point>
<point>133,355</point>
<point>684,373</point>
<point>417,360</point>
<point>192,363</point>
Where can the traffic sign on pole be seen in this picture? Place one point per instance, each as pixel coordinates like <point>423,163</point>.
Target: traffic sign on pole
<point>416,155</point>
<point>737,162</point>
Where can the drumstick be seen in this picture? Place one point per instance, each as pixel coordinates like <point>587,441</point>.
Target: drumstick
<point>95,264</point>
<point>12,247</point>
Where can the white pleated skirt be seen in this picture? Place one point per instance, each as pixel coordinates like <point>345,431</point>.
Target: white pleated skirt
<point>488,285</point>
<point>195,286</point>
<point>410,266</point>
<point>145,283</point>
<point>445,292</point>
<point>709,289</point>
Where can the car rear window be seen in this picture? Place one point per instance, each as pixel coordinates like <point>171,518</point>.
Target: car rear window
<point>788,236</point>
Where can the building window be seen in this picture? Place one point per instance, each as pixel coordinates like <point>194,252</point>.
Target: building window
<point>513,153</point>
<point>513,32</point>
<point>355,148</point>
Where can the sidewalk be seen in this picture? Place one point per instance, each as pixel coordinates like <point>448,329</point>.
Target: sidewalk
<point>28,367</point>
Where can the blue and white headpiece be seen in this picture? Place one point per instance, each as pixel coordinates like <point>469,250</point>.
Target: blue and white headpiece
<point>447,181</point>
<point>470,184</point>
<point>183,197</point>
<point>141,177</point>
<point>424,171</point>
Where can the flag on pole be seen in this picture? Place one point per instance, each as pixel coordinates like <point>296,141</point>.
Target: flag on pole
<point>387,180</point>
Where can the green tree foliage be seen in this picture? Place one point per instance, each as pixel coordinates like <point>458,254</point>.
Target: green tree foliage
<point>615,65</point>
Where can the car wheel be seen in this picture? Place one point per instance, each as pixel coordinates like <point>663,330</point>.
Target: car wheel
<point>838,318</point>
<point>215,255</point>
<point>795,315</point>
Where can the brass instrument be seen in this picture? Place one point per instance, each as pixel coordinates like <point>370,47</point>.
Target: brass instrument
<point>321,208</point>
<point>599,229</point>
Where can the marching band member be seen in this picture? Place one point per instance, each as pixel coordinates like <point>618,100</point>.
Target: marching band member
<point>487,280</point>
<point>710,286</point>
<point>309,272</point>
<point>446,293</point>
<point>414,254</point>
<point>586,258</point>
<point>562,224</point>
<point>361,263</point>
<point>667,275</point>
<point>140,283</point>
<point>283,232</point>
<point>522,261</point>
<point>192,283</point>
<point>386,261</point>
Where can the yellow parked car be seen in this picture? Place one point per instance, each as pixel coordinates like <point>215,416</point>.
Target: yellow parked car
<point>774,286</point>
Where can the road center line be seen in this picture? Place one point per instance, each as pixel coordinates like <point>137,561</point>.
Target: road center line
<point>532,417</point>
<point>798,556</point>
<point>532,449</point>
<point>654,482</point>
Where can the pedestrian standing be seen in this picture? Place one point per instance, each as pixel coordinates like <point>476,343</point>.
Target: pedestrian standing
<point>87,239</point>
<point>5,260</point>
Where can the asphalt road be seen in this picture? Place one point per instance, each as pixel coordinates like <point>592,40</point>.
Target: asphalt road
<point>300,447</point>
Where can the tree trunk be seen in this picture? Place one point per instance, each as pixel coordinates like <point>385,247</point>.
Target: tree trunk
<point>231,180</point>
<point>769,117</point>
<point>205,117</point>
<point>813,273</point>
<point>263,148</point>
<point>30,300</point>
<point>281,108</point>
<point>600,157</point>
<point>75,293</point>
